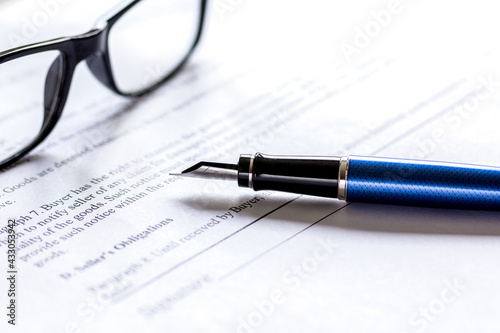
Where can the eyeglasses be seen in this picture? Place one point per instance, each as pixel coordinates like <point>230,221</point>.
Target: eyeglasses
<point>132,50</point>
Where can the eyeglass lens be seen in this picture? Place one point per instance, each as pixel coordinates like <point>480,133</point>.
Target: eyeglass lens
<point>149,41</point>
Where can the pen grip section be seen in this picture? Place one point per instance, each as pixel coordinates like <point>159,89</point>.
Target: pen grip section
<point>423,183</point>
<point>303,175</point>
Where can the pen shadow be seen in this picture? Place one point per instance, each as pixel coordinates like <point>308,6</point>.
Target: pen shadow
<point>417,220</point>
<point>375,218</point>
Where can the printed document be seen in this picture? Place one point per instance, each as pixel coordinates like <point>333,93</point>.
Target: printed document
<point>108,241</point>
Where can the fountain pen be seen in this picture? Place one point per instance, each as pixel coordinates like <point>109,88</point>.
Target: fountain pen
<point>364,179</point>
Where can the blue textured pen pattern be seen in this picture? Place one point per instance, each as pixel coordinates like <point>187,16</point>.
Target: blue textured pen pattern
<point>422,183</point>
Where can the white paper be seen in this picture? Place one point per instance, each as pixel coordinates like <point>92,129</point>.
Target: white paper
<point>143,250</point>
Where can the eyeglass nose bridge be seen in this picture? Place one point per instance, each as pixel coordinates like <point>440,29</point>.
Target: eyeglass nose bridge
<point>86,45</point>
<point>91,45</point>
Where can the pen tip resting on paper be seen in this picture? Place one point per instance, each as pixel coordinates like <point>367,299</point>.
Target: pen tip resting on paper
<point>210,170</point>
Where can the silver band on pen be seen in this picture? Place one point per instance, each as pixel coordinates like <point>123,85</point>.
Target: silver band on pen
<point>342,180</point>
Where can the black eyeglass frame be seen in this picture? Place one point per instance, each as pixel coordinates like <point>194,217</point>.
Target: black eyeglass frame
<point>92,47</point>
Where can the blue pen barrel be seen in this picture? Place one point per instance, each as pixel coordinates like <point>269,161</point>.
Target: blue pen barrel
<point>423,183</point>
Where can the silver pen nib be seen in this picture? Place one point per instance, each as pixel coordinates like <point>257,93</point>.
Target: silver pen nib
<point>211,170</point>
